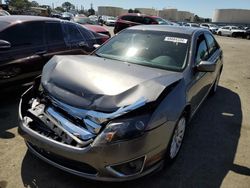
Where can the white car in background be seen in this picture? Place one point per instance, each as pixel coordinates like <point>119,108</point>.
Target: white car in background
<point>212,27</point>
<point>191,25</point>
<point>110,21</point>
<point>232,31</point>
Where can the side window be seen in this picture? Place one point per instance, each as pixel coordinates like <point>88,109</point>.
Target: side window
<point>201,50</point>
<point>85,33</point>
<point>147,20</point>
<point>24,34</point>
<point>139,19</point>
<point>73,33</point>
<point>127,18</point>
<point>212,45</point>
<point>54,33</point>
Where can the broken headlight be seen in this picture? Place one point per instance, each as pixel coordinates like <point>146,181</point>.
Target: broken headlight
<point>125,129</point>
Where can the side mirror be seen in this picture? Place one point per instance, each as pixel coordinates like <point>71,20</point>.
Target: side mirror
<point>4,44</point>
<point>206,66</point>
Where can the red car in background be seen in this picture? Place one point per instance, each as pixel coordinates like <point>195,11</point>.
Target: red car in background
<point>133,19</point>
<point>92,25</point>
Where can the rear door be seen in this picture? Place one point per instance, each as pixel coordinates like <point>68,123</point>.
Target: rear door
<point>24,58</point>
<point>77,42</point>
<point>55,40</point>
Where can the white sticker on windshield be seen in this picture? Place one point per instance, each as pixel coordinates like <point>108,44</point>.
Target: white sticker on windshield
<point>176,40</point>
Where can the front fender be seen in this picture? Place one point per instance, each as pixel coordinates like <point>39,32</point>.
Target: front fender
<point>171,107</point>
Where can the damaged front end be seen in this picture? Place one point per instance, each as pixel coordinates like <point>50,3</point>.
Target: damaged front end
<point>72,126</point>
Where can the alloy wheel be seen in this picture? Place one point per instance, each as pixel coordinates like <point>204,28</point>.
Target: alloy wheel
<point>177,137</point>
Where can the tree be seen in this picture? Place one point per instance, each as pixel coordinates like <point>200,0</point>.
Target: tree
<point>59,9</point>
<point>91,11</point>
<point>19,4</point>
<point>67,6</point>
<point>130,10</point>
<point>34,4</point>
<point>196,18</point>
<point>136,11</point>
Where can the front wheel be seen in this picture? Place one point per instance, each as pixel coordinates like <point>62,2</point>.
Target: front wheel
<point>176,140</point>
<point>234,35</point>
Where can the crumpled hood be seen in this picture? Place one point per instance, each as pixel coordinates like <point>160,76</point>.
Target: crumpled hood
<point>95,83</point>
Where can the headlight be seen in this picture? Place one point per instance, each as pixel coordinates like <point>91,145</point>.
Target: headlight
<point>124,129</point>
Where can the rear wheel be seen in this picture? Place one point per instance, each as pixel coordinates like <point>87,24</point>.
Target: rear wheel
<point>176,140</point>
<point>219,33</point>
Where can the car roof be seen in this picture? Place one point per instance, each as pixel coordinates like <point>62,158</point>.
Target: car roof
<point>139,14</point>
<point>17,19</point>
<point>168,28</point>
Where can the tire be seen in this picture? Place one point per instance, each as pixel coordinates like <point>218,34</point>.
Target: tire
<point>215,85</point>
<point>219,33</point>
<point>176,140</point>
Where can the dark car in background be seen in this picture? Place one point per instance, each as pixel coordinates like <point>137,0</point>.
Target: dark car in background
<point>133,19</point>
<point>28,42</point>
<point>247,34</point>
<point>122,111</point>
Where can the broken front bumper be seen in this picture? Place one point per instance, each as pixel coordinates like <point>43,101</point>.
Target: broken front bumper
<point>104,162</point>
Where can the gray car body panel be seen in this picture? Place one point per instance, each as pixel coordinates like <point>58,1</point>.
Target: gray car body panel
<point>189,89</point>
<point>94,83</point>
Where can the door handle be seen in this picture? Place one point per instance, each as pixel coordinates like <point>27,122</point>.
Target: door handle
<point>82,44</point>
<point>41,52</point>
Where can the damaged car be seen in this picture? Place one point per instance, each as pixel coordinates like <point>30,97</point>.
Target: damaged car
<point>121,112</point>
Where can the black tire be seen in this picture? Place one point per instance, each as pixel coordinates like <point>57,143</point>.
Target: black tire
<point>219,33</point>
<point>171,155</point>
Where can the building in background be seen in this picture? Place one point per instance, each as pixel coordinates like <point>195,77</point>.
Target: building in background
<point>176,15</point>
<point>169,14</point>
<point>148,11</point>
<point>185,16</point>
<point>241,16</point>
<point>110,11</point>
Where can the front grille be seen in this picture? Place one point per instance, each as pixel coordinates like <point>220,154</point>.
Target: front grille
<point>68,163</point>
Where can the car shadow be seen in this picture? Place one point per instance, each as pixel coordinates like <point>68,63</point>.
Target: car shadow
<point>9,99</point>
<point>206,157</point>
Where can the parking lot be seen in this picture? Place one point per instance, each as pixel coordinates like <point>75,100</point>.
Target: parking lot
<point>215,152</point>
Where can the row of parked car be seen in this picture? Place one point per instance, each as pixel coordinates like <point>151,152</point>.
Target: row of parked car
<point>128,20</point>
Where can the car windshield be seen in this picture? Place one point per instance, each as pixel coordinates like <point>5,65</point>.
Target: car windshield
<point>212,25</point>
<point>157,49</point>
<point>85,21</point>
<point>162,21</point>
<point>111,18</point>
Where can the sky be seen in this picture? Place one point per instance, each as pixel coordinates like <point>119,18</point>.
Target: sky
<point>203,8</point>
